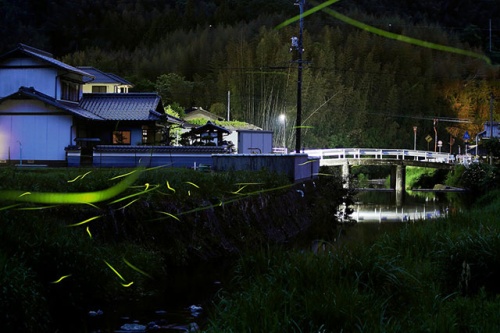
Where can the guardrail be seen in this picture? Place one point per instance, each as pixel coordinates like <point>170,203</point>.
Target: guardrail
<point>400,154</point>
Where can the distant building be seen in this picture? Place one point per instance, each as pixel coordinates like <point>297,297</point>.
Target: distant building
<point>199,113</point>
<point>490,130</point>
<point>44,110</point>
<point>104,82</point>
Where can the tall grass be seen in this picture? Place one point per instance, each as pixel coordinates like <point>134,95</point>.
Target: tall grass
<point>58,261</point>
<point>438,276</point>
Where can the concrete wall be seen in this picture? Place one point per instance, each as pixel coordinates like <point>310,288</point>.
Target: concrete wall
<point>297,167</point>
<point>254,142</point>
<point>42,79</point>
<point>29,130</point>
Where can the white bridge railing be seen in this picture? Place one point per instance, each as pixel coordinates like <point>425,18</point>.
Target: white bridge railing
<point>400,154</point>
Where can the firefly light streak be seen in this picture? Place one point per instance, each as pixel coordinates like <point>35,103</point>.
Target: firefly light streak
<point>306,13</point>
<point>124,284</point>
<point>71,198</point>
<point>381,32</point>
<point>405,39</point>
<point>135,268</point>
<point>192,184</point>
<point>79,177</point>
<point>61,278</point>
<point>169,187</point>
<point>86,221</point>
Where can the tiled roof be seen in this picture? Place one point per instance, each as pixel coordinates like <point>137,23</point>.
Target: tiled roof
<point>131,106</point>
<point>163,149</point>
<point>198,112</point>
<point>101,77</point>
<point>43,56</point>
<point>73,108</point>
<point>134,106</point>
<point>210,127</point>
<point>120,80</point>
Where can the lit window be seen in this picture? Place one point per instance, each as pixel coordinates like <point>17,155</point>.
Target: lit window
<point>99,89</point>
<point>121,137</point>
<point>70,91</point>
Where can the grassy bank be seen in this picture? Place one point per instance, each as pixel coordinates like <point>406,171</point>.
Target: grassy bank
<point>72,240</point>
<point>431,276</point>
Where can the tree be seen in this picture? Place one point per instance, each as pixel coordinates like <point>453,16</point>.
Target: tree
<point>174,88</point>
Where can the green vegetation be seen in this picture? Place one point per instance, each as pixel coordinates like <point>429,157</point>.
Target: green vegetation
<point>429,276</point>
<point>59,259</point>
<point>359,89</point>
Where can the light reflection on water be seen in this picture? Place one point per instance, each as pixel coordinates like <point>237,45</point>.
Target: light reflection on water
<point>380,206</point>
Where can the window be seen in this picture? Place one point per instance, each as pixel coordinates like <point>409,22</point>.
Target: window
<point>70,91</point>
<point>121,137</point>
<point>144,135</point>
<point>99,89</point>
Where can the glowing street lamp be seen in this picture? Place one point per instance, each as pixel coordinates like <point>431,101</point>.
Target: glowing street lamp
<point>414,137</point>
<point>283,120</point>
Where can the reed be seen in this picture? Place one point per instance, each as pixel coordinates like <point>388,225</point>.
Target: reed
<point>59,260</point>
<point>437,276</point>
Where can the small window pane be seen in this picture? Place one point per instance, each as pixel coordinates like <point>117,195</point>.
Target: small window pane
<point>121,137</point>
<point>99,89</point>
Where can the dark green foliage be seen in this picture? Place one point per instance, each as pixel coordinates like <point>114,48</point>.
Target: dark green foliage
<point>492,147</point>
<point>54,259</point>
<point>480,177</point>
<point>424,178</point>
<point>359,89</point>
<point>437,276</point>
<point>23,306</point>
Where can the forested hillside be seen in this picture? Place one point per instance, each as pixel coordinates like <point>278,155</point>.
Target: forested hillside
<point>359,89</point>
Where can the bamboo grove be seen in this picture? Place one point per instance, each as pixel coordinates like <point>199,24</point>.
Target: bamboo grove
<point>359,89</point>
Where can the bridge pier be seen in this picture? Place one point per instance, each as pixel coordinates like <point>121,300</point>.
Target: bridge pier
<point>400,182</point>
<point>400,177</point>
<point>345,174</point>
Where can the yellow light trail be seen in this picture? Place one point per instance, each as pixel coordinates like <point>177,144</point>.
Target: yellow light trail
<point>381,32</point>
<point>135,268</point>
<point>61,278</point>
<point>86,221</point>
<point>71,198</point>
<point>193,184</point>
<point>169,187</point>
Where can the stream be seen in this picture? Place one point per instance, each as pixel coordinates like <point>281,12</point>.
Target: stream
<point>183,302</point>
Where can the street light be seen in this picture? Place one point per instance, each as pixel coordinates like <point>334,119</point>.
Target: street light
<point>283,120</point>
<point>476,143</point>
<point>435,135</point>
<point>414,137</point>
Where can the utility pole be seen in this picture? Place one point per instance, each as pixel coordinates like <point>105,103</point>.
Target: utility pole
<point>491,115</point>
<point>492,98</point>
<point>435,135</point>
<point>299,46</point>
<point>490,36</point>
<point>228,105</point>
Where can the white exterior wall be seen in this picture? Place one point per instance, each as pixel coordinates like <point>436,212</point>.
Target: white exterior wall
<point>87,88</point>
<point>42,79</point>
<point>495,131</point>
<point>31,133</point>
<point>135,137</point>
<point>110,87</point>
<point>251,142</point>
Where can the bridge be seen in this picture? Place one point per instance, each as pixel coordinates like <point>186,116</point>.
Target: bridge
<point>373,156</point>
<point>397,158</point>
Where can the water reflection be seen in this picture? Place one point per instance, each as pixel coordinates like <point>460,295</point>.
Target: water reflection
<point>382,206</point>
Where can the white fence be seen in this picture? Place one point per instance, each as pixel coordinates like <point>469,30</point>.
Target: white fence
<point>400,154</point>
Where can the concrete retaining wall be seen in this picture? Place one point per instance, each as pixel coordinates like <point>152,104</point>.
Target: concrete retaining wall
<point>297,167</point>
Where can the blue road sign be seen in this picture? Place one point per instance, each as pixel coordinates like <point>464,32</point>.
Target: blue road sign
<point>466,136</point>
